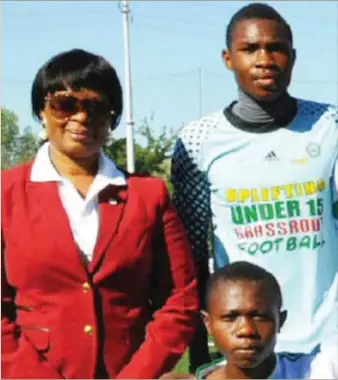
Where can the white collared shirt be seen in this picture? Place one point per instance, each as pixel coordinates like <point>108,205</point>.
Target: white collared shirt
<point>83,213</point>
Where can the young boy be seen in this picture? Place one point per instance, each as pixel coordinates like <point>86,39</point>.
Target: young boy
<point>244,315</point>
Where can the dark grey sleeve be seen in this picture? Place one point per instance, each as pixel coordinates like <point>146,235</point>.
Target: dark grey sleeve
<point>191,194</point>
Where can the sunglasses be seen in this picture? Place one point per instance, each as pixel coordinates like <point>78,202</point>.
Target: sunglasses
<point>64,106</point>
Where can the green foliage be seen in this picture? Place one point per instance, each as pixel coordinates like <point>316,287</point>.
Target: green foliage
<point>151,158</point>
<point>117,152</point>
<point>16,147</point>
<point>26,146</point>
<point>9,135</point>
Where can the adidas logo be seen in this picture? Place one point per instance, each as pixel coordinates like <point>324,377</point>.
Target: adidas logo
<point>271,156</point>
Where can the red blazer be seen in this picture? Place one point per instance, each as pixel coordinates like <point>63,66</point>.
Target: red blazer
<point>62,318</point>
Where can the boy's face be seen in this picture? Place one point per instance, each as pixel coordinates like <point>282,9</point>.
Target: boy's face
<point>261,57</point>
<point>244,319</point>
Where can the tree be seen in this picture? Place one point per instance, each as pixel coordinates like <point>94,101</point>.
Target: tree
<point>9,135</point>
<point>26,147</point>
<point>16,148</point>
<point>157,149</point>
<point>150,158</point>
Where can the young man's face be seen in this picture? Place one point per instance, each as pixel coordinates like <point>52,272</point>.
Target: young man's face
<point>244,319</point>
<point>261,57</point>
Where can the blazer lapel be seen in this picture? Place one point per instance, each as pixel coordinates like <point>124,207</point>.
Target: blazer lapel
<point>50,219</point>
<point>112,201</point>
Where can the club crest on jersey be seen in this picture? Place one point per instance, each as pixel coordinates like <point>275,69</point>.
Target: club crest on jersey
<point>313,149</point>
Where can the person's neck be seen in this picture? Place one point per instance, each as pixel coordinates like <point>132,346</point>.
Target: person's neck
<point>74,167</point>
<point>254,111</point>
<point>262,371</point>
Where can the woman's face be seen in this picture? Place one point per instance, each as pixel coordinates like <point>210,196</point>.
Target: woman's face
<point>77,121</point>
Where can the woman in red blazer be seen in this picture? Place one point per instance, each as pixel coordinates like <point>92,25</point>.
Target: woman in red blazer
<point>97,278</point>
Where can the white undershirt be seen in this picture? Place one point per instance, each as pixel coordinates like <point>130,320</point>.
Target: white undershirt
<point>83,213</point>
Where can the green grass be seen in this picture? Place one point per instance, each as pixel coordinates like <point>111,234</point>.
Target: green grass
<point>183,364</point>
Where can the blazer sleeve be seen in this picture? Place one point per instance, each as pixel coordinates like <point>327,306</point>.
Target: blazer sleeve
<point>9,343</point>
<point>174,298</point>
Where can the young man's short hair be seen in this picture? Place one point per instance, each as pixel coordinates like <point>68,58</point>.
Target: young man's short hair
<point>256,11</point>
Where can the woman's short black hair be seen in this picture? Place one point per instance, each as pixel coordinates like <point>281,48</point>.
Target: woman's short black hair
<point>256,11</point>
<point>77,69</point>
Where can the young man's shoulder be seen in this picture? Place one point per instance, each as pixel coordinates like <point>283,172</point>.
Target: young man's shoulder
<point>202,126</point>
<point>293,366</point>
<point>318,108</point>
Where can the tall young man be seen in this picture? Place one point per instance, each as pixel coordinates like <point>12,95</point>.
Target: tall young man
<point>261,172</point>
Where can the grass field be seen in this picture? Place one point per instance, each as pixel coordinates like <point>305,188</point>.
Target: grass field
<point>183,364</point>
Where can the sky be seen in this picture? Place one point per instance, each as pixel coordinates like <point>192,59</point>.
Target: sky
<point>177,71</point>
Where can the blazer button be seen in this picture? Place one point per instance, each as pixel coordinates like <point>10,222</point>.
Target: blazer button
<point>85,287</point>
<point>88,329</point>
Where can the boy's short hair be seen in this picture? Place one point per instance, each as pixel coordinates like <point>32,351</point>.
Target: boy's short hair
<point>243,270</point>
<point>256,11</point>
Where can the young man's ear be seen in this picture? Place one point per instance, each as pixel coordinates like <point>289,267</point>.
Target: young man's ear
<point>282,318</point>
<point>226,56</point>
<point>294,56</point>
<point>206,319</point>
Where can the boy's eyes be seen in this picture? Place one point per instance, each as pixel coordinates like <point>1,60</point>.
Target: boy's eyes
<point>228,318</point>
<point>251,48</point>
<point>274,47</point>
<point>256,316</point>
<point>262,317</point>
